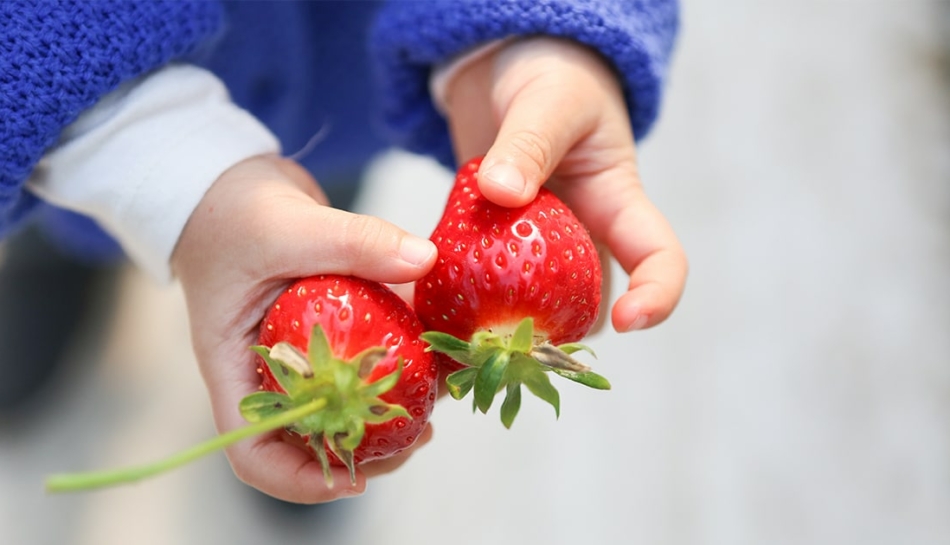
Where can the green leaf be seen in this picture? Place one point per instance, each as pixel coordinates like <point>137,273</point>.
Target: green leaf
<point>383,384</point>
<point>484,346</point>
<point>367,359</point>
<point>318,349</point>
<point>589,379</point>
<point>311,422</point>
<point>316,443</point>
<point>488,380</point>
<point>289,379</point>
<point>540,385</point>
<point>511,405</point>
<point>355,430</point>
<point>452,347</point>
<point>292,357</point>
<point>345,455</point>
<point>384,412</point>
<point>261,405</point>
<point>572,348</point>
<point>461,382</point>
<point>551,356</point>
<point>523,337</point>
<point>346,378</point>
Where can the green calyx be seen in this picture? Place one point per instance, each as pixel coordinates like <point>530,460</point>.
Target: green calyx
<point>351,402</point>
<point>325,398</point>
<point>506,362</point>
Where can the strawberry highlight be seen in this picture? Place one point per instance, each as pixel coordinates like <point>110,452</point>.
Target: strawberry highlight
<point>512,292</point>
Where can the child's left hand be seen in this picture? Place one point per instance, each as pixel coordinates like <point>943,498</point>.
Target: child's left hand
<point>546,110</point>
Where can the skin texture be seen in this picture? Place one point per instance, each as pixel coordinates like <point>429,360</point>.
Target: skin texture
<point>547,109</point>
<point>261,225</point>
<point>536,108</point>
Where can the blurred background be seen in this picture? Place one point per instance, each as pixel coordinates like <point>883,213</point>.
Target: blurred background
<point>799,395</point>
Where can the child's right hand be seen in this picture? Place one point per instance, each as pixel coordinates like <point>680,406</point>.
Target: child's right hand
<point>262,224</point>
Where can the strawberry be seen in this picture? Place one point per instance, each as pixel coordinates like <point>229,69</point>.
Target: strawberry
<point>521,286</point>
<point>363,356</point>
<point>342,370</point>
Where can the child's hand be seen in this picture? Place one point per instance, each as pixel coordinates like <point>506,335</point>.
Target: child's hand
<point>262,224</point>
<point>545,108</point>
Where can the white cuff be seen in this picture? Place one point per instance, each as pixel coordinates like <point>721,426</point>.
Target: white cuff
<point>141,160</point>
<point>443,74</point>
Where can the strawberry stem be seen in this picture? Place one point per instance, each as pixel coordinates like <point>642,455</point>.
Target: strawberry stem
<point>71,482</point>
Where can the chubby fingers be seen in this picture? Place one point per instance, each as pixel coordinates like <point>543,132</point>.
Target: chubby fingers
<point>657,266</point>
<point>618,213</point>
<point>285,471</point>
<point>280,466</point>
<point>265,218</point>
<point>538,129</point>
<point>644,244</point>
<point>524,108</point>
<point>323,240</point>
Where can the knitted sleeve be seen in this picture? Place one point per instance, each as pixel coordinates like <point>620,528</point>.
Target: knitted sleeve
<point>58,58</point>
<point>410,38</point>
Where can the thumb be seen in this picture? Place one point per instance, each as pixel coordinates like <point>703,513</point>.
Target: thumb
<point>360,245</point>
<point>539,127</point>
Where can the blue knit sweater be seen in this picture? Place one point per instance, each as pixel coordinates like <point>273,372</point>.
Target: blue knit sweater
<point>358,71</point>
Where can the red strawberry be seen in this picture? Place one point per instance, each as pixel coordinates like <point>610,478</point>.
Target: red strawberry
<point>363,391</point>
<point>364,357</point>
<point>521,285</point>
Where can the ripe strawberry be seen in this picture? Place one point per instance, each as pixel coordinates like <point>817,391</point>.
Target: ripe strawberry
<point>523,285</point>
<point>364,390</point>
<point>364,357</point>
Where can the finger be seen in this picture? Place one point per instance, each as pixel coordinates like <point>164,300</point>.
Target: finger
<point>616,210</point>
<point>647,248</point>
<point>275,463</point>
<point>339,242</point>
<point>404,291</point>
<point>279,465</point>
<point>286,471</point>
<point>382,467</point>
<point>539,126</point>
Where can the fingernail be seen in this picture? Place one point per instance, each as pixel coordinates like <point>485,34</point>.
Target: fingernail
<point>507,176</point>
<point>350,493</point>
<point>639,323</point>
<point>416,251</point>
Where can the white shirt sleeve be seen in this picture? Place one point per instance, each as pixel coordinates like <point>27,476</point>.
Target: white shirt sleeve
<point>443,74</point>
<point>141,159</point>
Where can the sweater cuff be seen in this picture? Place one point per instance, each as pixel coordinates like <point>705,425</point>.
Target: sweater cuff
<point>411,38</point>
<point>142,159</point>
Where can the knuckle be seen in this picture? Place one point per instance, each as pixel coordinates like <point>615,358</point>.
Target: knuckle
<point>362,236</point>
<point>535,147</point>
